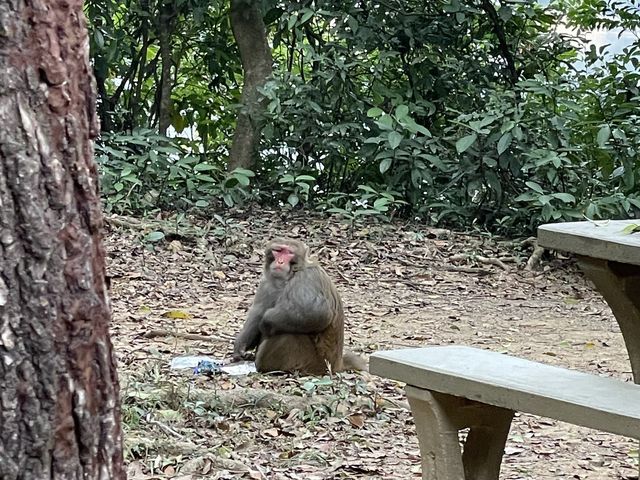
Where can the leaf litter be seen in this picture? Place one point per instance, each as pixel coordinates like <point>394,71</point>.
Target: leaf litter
<point>403,285</point>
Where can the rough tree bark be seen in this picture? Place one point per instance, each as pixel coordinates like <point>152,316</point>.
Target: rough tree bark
<point>251,36</point>
<point>165,26</point>
<point>59,407</point>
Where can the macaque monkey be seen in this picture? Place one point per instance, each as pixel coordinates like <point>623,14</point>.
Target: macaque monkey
<point>296,320</point>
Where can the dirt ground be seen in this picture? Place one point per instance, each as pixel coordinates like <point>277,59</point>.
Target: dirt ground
<point>403,285</point>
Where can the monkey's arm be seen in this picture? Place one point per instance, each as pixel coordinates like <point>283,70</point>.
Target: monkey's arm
<point>249,336</point>
<point>307,306</point>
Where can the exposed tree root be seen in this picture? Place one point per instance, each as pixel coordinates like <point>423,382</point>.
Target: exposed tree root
<point>171,446</point>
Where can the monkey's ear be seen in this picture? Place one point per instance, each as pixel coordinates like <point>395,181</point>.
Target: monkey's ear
<point>305,254</point>
<point>269,246</point>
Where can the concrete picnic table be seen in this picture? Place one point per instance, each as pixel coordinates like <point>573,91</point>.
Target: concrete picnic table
<point>611,260</point>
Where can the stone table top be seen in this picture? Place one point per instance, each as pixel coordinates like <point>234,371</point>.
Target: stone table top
<point>598,239</point>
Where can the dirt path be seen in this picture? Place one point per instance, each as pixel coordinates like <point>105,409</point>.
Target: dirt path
<point>403,286</point>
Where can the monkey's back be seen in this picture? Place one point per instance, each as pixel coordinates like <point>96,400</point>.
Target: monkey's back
<point>330,342</point>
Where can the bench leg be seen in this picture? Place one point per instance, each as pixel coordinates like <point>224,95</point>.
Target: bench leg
<point>619,284</point>
<point>439,417</point>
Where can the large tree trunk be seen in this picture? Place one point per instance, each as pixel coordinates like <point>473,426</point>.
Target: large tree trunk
<point>255,53</point>
<point>59,407</point>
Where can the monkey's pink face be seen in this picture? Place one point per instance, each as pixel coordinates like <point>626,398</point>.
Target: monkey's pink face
<point>282,257</point>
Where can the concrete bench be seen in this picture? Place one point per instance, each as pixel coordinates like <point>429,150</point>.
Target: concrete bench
<point>451,388</point>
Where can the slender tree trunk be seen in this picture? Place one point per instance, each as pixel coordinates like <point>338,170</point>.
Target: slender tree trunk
<point>255,53</point>
<point>59,406</point>
<point>165,30</point>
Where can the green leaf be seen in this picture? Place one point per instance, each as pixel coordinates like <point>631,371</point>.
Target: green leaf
<point>154,236</point>
<point>385,122</point>
<point>291,22</point>
<point>385,164</point>
<point>544,200</point>
<point>305,178</point>
<point>367,188</point>
<point>535,187</point>
<point>287,178</point>
<point>436,162</point>
<point>394,140</point>
<point>401,111</point>
<point>353,23</point>
<point>478,125</point>
<point>525,197</point>
<point>244,171</point>
<point>603,135</point>
<point>99,39</point>
<point>204,167</point>
<point>420,129</point>
<point>631,228</point>
<point>381,204</point>
<point>504,142</point>
<point>242,180</point>
<point>308,13</point>
<point>338,210</point>
<point>619,134</point>
<point>202,204</point>
<point>634,201</point>
<point>465,142</point>
<point>131,179</point>
<point>494,182</point>
<point>323,382</point>
<point>374,112</point>
<point>565,197</point>
<point>206,178</point>
<point>293,200</point>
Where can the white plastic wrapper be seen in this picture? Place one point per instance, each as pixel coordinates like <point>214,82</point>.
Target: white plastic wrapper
<point>192,361</point>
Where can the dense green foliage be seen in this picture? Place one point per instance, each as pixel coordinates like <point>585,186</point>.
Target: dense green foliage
<point>463,113</point>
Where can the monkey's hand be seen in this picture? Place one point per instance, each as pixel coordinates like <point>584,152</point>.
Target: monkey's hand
<point>240,352</point>
<point>240,356</point>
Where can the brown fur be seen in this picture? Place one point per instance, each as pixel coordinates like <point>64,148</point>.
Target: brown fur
<point>297,318</point>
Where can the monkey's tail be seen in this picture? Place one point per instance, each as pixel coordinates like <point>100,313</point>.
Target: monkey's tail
<point>353,361</point>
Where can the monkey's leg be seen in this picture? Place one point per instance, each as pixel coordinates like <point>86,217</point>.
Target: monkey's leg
<point>438,419</point>
<point>289,353</point>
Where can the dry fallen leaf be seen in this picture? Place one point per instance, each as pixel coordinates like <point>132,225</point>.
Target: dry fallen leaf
<point>272,432</point>
<point>176,314</point>
<point>356,420</point>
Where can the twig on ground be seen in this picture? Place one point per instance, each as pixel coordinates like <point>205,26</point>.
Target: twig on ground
<point>164,427</point>
<point>126,222</point>
<point>478,258</point>
<point>473,270</point>
<point>187,336</point>
<point>403,281</point>
<point>491,261</point>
